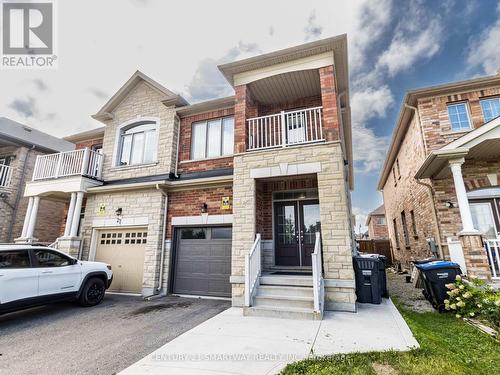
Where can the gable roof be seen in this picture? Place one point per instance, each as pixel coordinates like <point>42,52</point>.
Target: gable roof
<point>169,98</point>
<point>406,113</point>
<point>379,211</point>
<point>15,133</point>
<point>482,142</point>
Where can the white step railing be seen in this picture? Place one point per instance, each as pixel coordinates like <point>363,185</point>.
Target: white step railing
<point>317,276</point>
<point>286,128</point>
<point>5,176</point>
<point>83,162</point>
<point>492,250</point>
<point>252,270</point>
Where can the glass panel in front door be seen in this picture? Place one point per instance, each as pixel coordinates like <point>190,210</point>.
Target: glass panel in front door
<point>295,124</point>
<point>286,225</point>
<point>310,224</point>
<point>483,219</point>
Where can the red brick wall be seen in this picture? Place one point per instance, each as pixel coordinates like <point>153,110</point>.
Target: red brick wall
<point>377,231</point>
<point>264,201</point>
<point>185,165</point>
<point>89,143</point>
<point>331,124</point>
<point>189,203</point>
<point>309,102</point>
<point>435,120</point>
<point>245,107</point>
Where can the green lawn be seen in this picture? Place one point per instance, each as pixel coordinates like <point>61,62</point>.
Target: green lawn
<point>447,346</point>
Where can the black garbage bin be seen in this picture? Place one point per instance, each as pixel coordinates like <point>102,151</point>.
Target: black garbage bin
<point>435,276</point>
<point>368,279</point>
<point>382,264</point>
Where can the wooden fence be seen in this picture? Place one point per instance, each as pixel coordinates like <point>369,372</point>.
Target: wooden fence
<point>382,247</point>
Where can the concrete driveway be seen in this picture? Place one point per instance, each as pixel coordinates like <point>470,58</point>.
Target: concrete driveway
<point>67,339</point>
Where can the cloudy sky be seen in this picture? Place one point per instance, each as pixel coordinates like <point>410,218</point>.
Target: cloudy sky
<point>394,46</point>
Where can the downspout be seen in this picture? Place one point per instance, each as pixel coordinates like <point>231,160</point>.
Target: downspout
<point>178,143</point>
<point>164,231</point>
<point>427,186</point>
<point>18,196</point>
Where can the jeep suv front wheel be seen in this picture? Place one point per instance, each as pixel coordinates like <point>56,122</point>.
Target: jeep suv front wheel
<point>92,293</point>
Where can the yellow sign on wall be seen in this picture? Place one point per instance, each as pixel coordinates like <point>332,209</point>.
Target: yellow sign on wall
<point>102,209</point>
<point>225,203</point>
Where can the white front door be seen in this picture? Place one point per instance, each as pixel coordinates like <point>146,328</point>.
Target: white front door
<point>483,218</point>
<point>295,125</point>
<point>18,279</point>
<point>56,273</point>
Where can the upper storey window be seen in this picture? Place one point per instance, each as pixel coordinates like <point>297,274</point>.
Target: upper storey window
<point>459,116</point>
<point>212,138</point>
<point>491,108</point>
<point>138,143</point>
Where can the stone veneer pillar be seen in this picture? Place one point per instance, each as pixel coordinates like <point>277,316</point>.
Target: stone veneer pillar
<point>475,256</point>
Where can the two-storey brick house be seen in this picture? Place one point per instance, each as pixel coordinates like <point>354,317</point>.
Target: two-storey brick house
<point>225,197</point>
<point>440,180</point>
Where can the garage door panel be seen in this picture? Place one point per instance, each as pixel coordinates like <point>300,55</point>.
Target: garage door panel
<point>124,250</point>
<point>203,266</point>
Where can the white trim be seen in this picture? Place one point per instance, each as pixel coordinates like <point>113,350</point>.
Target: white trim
<point>285,169</point>
<point>156,120</point>
<point>202,220</point>
<point>201,297</point>
<point>125,222</point>
<point>491,192</point>
<point>476,133</point>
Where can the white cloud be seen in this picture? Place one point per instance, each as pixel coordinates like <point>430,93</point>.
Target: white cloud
<point>484,52</point>
<point>361,215</point>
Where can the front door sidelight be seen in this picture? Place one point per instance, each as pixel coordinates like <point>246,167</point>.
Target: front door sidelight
<point>310,224</point>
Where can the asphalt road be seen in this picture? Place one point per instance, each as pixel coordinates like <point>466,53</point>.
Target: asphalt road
<point>68,339</point>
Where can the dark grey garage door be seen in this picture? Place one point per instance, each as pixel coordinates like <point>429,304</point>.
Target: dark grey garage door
<point>203,261</point>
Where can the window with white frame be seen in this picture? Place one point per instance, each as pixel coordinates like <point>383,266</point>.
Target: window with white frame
<point>212,138</point>
<point>459,116</point>
<point>138,143</point>
<point>491,108</point>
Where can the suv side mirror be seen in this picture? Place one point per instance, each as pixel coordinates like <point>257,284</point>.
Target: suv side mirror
<point>74,261</point>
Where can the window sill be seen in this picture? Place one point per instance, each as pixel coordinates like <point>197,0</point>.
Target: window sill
<point>206,159</point>
<point>452,132</point>
<point>134,166</point>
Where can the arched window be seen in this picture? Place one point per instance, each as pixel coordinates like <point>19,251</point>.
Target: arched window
<point>138,143</point>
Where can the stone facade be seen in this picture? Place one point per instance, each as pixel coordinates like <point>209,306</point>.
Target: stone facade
<point>141,208</point>
<point>13,207</point>
<point>143,101</point>
<point>334,212</point>
<point>429,198</point>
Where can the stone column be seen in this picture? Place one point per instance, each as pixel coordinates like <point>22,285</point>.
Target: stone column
<point>71,211</point>
<point>27,218</point>
<point>475,256</point>
<point>33,217</point>
<point>463,202</point>
<point>76,214</point>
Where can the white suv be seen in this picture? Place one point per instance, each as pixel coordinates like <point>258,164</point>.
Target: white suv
<point>37,275</point>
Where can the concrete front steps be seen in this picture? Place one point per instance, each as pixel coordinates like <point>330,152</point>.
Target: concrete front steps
<point>284,296</point>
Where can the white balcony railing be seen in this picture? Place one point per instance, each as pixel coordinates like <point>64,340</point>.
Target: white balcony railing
<point>317,276</point>
<point>252,270</point>
<point>83,162</point>
<point>285,129</point>
<point>5,176</point>
<point>493,249</point>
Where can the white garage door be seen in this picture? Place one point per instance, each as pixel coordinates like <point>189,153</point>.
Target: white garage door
<point>124,249</point>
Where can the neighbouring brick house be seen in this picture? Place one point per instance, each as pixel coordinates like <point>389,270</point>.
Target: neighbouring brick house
<point>377,224</point>
<point>223,197</point>
<point>440,180</point>
<point>19,147</point>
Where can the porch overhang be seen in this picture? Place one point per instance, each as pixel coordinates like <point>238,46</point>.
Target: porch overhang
<point>480,144</point>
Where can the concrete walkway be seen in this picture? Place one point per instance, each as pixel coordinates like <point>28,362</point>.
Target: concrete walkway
<point>230,343</point>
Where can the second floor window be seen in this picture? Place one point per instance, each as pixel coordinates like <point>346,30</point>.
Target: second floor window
<point>491,108</point>
<point>138,143</point>
<point>380,220</point>
<point>459,116</point>
<point>212,138</point>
